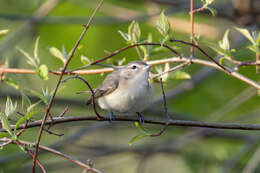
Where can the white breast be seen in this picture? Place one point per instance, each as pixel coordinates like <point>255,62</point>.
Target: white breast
<point>133,98</point>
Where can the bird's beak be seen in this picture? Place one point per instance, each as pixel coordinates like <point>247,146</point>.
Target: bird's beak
<point>147,67</point>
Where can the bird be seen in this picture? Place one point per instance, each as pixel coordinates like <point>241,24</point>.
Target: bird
<point>126,90</point>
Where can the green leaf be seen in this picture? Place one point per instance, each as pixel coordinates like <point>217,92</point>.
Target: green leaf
<point>141,128</point>
<point>134,32</point>
<point>36,45</point>
<point>137,138</point>
<point>47,95</point>
<point>11,82</point>
<point>10,107</point>
<point>26,117</point>
<point>42,72</point>
<point>3,32</point>
<point>213,11</point>
<point>84,60</point>
<point>6,124</point>
<point>246,33</point>
<point>180,75</point>
<point>39,95</point>
<point>121,62</point>
<point>166,38</point>
<point>57,53</point>
<point>3,134</point>
<point>258,92</point>
<point>124,35</point>
<point>31,61</point>
<point>26,102</point>
<point>254,48</point>
<point>224,44</point>
<point>163,25</point>
<point>64,53</point>
<point>31,107</point>
<point>258,38</point>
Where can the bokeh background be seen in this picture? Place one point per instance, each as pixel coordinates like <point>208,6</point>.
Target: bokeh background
<point>209,95</point>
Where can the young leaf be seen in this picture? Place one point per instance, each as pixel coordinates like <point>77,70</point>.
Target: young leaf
<point>141,128</point>
<point>39,95</point>
<point>36,57</point>
<point>11,82</point>
<point>31,107</point>
<point>124,35</point>
<point>136,138</point>
<point>5,123</point>
<point>180,75</point>
<point>3,134</point>
<point>26,117</point>
<point>10,107</point>
<point>213,11</point>
<point>84,60</point>
<point>31,61</point>
<point>134,32</point>
<point>57,53</point>
<point>42,72</point>
<point>224,44</point>
<point>163,25</point>
<point>246,33</point>
<point>26,102</point>
<point>3,32</point>
<point>64,53</point>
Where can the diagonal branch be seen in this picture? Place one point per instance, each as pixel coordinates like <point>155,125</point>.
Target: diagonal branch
<point>50,150</point>
<point>58,83</point>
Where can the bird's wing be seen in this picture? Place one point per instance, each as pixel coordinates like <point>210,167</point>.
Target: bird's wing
<point>108,85</point>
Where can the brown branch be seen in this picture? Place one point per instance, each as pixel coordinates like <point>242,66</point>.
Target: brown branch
<point>92,93</point>
<point>50,150</point>
<point>174,60</point>
<point>202,51</point>
<point>124,49</point>
<point>165,111</point>
<point>58,83</point>
<point>37,160</point>
<point>185,123</point>
<point>192,29</point>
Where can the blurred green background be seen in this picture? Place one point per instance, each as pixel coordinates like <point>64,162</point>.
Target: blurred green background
<point>209,95</point>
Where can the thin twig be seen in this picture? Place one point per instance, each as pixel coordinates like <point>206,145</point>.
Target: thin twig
<point>171,69</point>
<point>50,150</point>
<point>202,51</point>
<point>165,111</point>
<point>124,49</point>
<point>58,83</point>
<point>91,90</point>
<point>192,29</point>
<point>37,161</point>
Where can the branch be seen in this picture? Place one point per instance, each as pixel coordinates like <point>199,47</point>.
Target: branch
<point>168,60</point>
<point>50,150</point>
<point>185,123</point>
<point>58,83</point>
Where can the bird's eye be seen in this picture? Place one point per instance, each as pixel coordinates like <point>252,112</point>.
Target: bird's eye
<point>134,67</point>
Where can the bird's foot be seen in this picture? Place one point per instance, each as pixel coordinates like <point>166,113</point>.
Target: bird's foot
<point>111,117</point>
<point>141,118</point>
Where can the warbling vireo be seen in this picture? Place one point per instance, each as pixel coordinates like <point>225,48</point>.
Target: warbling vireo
<point>126,90</point>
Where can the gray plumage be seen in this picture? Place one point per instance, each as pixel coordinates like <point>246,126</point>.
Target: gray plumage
<point>126,89</point>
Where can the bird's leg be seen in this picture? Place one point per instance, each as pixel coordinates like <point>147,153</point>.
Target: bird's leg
<point>111,116</point>
<point>141,118</point>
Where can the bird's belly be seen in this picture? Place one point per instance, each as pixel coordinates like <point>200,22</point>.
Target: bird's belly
<point>135,99</point>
